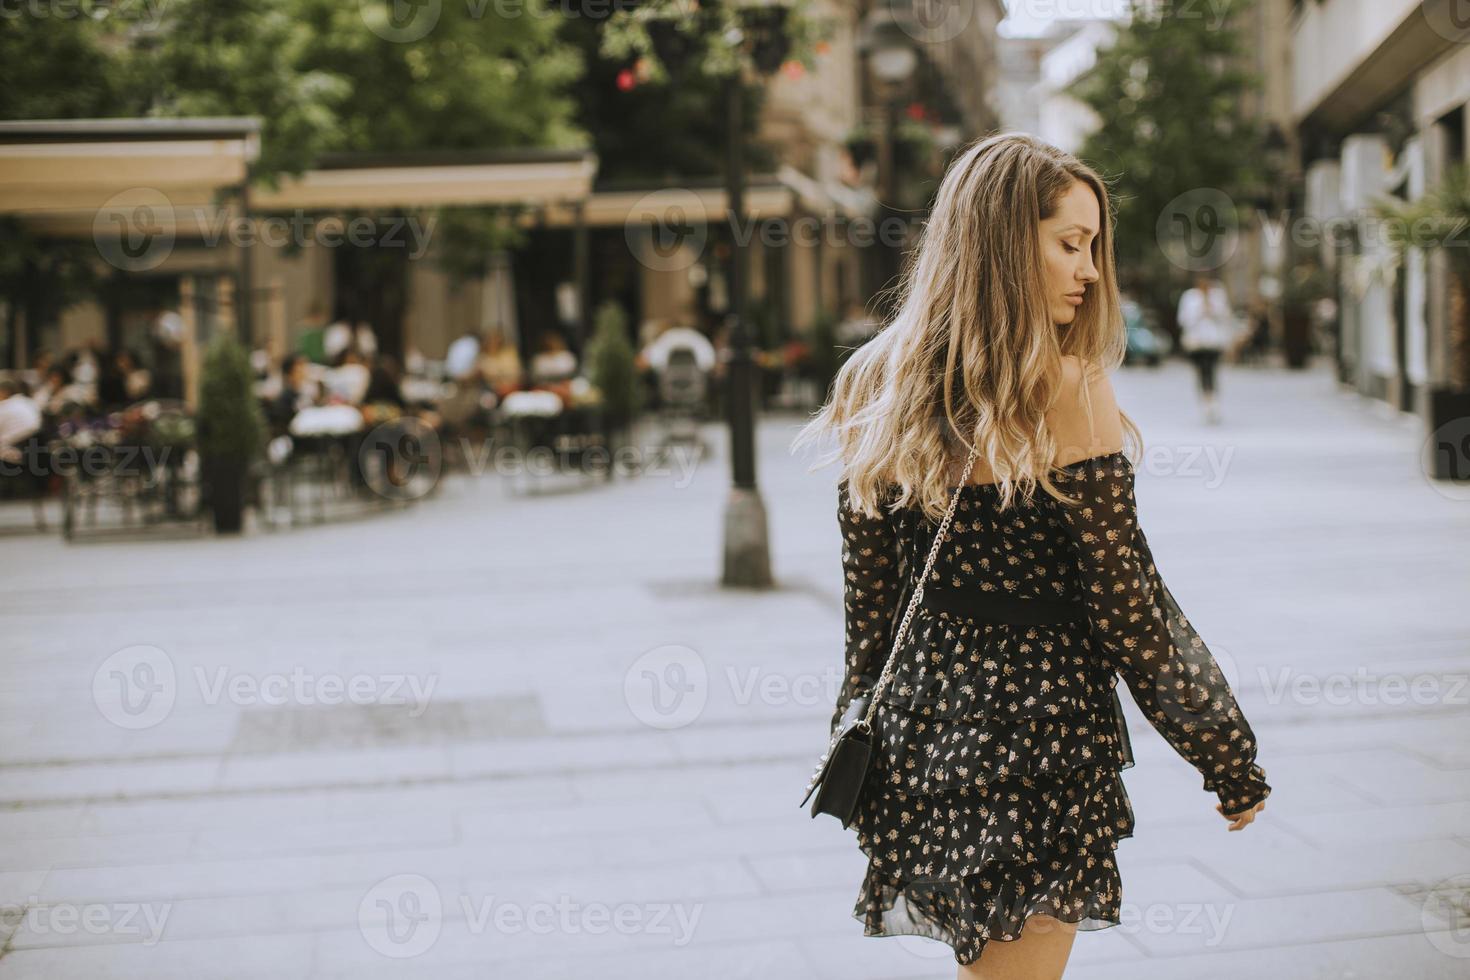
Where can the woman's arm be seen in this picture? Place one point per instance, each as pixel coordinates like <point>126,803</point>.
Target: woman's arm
<point>871,587</point>
<point>1142,631</point>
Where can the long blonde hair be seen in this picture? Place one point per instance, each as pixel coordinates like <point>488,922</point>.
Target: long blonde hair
<point>972,310</point>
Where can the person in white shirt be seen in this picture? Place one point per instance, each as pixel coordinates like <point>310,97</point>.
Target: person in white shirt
<point>20,418</point>
<point>460,359</point>
<point>656,354</point>
<point>1207,326</point>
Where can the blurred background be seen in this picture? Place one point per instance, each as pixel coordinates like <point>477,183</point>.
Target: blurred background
<point>405,572</point>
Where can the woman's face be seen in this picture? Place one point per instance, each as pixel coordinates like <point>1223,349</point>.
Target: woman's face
<point>1066,249</point>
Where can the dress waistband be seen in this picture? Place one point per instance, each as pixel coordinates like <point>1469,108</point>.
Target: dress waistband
<point>972,603</point>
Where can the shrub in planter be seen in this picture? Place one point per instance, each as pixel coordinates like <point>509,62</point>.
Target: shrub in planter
<point>231,428</point>
<point>611,367</point>
<point>1436,222</point>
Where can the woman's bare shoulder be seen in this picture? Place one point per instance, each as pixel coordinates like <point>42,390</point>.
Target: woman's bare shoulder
<point>1080,433</point>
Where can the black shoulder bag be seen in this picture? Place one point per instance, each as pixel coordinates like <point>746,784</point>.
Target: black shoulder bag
<point>844,767</point>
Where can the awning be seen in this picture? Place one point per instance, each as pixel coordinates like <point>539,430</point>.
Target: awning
<point>67,171</point>
<point>532,176</point>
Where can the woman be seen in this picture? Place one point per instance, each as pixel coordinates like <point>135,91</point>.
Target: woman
<point>994,804</point>
<point>1207,328</point>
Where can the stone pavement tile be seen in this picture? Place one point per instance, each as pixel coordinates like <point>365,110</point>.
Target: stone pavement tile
<point>687,882</point>
<point>602,819</point>
<point>1363,957</point>
<point>1207,839</point>
<point>1258,872</point>
<point>753,959</point>
<point>362,868</point>
<point>1196,927</point>
<point>521,793</point>
<point>17,825</point>
<point>18,887</point>
<point>206,812</point>
<point>368,832</point>
<point>802,871</point>
<point>279,957</point>
<point>112,780</point>
<point>1413,732</point>
<point>1445,750</point>
<point>47,853</point>
<point>301,769</point>
<point>502,935</point>
<point>1371,826</point>
<point>751,741</point>
<point>541,756</point>
<point>918,958</point>
<point>1408,780</point>
<point>182,879</point>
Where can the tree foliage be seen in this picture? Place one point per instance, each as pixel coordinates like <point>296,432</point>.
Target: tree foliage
<point>1169,97</point>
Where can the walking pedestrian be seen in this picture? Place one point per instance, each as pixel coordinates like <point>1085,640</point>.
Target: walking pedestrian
<point>992,605</point>
<point>1208,327</point>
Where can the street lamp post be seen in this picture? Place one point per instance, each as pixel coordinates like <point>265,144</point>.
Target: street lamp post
<point>747,555</point>
<point>892,59</point>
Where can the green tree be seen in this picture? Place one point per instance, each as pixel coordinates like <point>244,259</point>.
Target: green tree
<point>40,276</point>
<point>1173,142</point>
<point>611,366</point>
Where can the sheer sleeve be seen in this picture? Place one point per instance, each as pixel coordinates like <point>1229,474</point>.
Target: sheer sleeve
<point>1173,676</point>
<point>872,580</point>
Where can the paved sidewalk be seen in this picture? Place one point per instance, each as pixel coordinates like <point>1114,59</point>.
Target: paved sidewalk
<point>529,737</point>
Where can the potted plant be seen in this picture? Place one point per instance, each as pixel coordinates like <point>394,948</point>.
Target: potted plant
<point>613,372</point>
<point>231,429</point>
<point>1437,222</point>
<point>1306,284</point>
<point>862,145</point>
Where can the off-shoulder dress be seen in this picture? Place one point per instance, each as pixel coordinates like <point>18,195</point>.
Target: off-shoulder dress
<point>996,792</point>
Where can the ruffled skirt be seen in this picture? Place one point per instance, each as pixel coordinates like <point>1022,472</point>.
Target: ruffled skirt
<point>996,792</point>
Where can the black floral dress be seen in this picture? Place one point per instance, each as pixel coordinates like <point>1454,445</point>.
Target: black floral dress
<point>996,791</point>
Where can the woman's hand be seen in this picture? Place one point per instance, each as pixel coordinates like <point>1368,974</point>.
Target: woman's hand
<point>1240,820</point>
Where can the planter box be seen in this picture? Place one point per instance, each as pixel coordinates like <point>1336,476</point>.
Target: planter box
<point>1449,440</point>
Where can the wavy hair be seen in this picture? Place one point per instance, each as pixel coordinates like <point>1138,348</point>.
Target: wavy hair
<point>972,347</point>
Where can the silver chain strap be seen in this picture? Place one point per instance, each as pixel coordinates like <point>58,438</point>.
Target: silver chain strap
<point>918,594</point>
